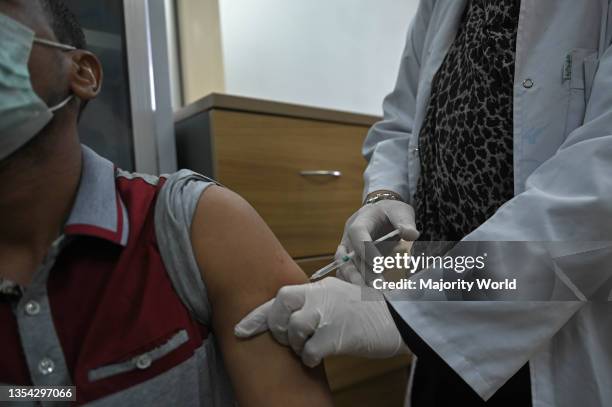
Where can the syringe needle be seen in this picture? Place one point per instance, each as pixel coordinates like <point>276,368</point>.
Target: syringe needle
<point>336,264</point>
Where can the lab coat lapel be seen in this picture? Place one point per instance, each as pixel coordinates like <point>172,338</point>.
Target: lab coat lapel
<point>547,110</point>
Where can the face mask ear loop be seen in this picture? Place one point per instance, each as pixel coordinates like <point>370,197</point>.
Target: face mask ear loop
<point>61,104</point>
<point>54,44</point>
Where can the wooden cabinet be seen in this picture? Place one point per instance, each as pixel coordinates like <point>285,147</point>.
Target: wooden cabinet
<point>303,176</point>
<point>301,169</point>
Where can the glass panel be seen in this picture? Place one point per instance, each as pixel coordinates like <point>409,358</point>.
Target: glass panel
<point>106,125</point>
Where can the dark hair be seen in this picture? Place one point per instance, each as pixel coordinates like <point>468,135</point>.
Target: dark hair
<point>64,23</point>
<point>66,28</point>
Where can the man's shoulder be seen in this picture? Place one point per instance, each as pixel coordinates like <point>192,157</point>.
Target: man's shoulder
<point>174,189</point>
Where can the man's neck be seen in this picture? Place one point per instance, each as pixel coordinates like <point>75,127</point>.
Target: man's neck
<point>37,190</point>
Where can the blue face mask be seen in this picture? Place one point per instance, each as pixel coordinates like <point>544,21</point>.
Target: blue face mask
<point>23,114</point>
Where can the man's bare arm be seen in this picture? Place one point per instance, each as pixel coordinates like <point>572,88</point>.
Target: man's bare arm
<point>244,265</point>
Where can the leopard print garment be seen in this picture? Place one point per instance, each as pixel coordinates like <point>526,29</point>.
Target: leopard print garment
<point>466,141</point>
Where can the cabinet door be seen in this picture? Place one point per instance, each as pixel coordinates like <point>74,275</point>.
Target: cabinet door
<point>303,176</point>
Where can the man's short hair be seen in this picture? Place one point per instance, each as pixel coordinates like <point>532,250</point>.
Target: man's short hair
<point>64,23</point>
<point>66,28</point>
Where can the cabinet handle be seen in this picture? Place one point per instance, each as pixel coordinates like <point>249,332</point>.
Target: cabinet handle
<point>321,173</point>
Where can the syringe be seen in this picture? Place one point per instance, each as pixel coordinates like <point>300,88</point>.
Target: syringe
<point>338,263</point>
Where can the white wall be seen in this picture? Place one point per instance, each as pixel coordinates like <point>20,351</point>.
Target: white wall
<point>338,54</point>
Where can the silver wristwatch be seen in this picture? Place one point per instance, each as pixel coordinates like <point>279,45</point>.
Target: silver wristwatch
<point>383,196</point>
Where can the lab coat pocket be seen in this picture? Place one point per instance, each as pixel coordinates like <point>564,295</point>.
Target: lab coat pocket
<point>578,75</point>
<point>142,360</point>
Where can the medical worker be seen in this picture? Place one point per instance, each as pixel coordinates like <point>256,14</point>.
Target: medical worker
<point>499,129</point>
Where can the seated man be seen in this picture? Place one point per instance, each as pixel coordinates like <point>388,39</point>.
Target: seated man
<point>125,286</point>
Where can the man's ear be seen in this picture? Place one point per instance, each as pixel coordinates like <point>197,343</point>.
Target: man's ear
<point>86,75</point>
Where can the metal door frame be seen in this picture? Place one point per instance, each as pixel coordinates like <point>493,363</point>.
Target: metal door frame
<point>150,93</point>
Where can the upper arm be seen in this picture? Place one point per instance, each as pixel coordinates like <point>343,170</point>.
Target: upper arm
<point>244,265</point>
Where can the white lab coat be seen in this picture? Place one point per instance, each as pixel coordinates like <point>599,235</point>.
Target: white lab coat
<point>563,193</point>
